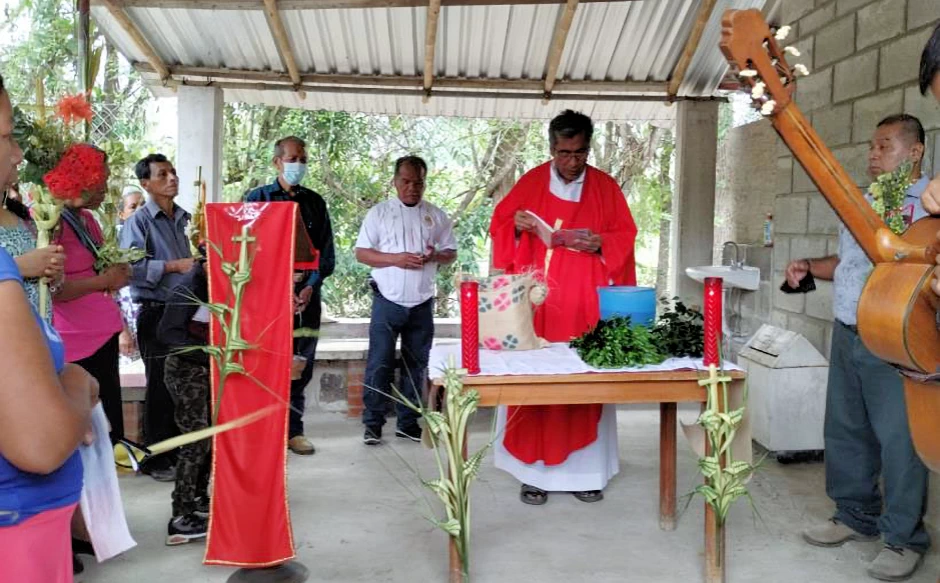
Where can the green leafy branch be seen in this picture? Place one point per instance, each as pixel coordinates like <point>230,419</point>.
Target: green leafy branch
<point>110,252</point>
<point>446,434</point>
<point>725,477</point>
<point>888,192</point>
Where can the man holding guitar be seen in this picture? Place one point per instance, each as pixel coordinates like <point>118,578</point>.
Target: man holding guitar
<point>930,79</point>
<point>866,426</point>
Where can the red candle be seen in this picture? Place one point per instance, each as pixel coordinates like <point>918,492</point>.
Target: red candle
<point>470,326</point>
<point>712,321</point>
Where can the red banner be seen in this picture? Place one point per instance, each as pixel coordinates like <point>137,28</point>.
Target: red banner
<point>249,524</point>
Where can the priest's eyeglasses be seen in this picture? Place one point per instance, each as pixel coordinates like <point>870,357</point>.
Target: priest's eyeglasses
<point>581,154</point>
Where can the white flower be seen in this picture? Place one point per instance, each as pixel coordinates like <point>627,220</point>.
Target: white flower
<point>792,50</point>
<point>768,107</point>
<point>782,32</point>
<point>801,69</point>
<point>748,73</point>
<point>758,90</point>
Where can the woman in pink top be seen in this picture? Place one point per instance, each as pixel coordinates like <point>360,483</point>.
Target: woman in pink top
<point>84,310</point>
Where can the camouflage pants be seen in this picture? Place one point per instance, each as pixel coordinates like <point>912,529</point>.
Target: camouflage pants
<point>188,385</point>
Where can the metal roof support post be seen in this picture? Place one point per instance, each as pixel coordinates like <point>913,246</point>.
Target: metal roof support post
<point>558,47</point>
<point>430,42</point>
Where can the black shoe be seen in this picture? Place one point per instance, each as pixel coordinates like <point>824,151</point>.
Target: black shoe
<point>184,529</point>
<point>77,565</point>
<point>82,547</point>
<point>413,433</point>
<point>373,435</point>
<point>202,507</point>
<point>161,472</point>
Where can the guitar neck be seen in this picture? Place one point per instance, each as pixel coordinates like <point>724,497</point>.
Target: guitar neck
<point>831,179</point>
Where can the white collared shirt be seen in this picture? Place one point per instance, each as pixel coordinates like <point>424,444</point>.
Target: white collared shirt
<point>570,191</point>
<point>392,227</point>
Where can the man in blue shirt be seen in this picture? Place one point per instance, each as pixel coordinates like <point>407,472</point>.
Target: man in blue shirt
<point>290,159</point>
<point>159,227</point>
<point>866,430</point>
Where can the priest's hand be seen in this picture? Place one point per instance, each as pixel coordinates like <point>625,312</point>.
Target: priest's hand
<point>408,260</point>
<point>524,221</point>
<point>587,243</point>
<point>931,197</point>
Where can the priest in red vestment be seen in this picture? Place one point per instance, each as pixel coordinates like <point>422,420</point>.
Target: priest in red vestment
<point>566,448</point>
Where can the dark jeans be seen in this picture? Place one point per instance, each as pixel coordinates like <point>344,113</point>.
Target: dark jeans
<point>188,383</point>
<point>159,420</point>
<point>867,436</point>
<point>103,365</point>
<point>306,347</point>
<point>415,326</point>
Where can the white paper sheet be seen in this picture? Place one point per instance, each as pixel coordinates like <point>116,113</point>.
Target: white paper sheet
<point>101,503</point>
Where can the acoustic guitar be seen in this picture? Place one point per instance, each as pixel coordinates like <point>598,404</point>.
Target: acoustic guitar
<point>897,313</point>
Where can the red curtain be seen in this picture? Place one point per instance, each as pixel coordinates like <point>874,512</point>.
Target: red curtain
<point>249,523</point>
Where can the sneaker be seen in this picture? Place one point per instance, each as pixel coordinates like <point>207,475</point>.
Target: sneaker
<point>184,529</point>
<point>160,474</point>
<point>833,534</point>
<point>372,436</point>
<point>301,445</point>
<point>413,433</point>
<point>895,564</point>
<point>202,507</point>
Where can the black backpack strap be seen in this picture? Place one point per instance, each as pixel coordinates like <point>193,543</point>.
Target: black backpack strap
<point>78,227</point>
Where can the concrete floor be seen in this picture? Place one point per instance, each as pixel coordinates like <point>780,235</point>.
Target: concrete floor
<point>354,521</point>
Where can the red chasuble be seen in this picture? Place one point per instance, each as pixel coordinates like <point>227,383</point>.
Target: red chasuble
<point>550,433</point>
<point>249,524</point>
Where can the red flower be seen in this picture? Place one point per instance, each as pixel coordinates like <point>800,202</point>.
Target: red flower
<point>73,108</point>
<point>81,169</point>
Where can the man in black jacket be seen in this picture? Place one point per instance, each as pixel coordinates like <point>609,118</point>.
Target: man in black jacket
<point>290,159</point>
<point>185,325</point>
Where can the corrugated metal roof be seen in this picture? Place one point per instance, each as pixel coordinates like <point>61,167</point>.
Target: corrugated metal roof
<point>637,40</point>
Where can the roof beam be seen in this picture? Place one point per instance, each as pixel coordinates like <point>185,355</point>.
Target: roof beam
<point>322,4</point>
<point>558,45</point>
<point>430,43</point>
<point>143,45</point>
<point>685,59</point>
<point>418,91</point>
<point>205,74</point>
<point>273,16</point>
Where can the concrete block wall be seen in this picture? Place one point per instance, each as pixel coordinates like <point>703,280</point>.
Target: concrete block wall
<point>863,57</point>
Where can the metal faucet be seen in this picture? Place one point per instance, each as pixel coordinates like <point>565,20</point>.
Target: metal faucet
<point>736,263</point>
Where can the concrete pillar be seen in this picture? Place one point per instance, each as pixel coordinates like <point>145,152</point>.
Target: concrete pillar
<point>199,143</point>
<point>693,210</point>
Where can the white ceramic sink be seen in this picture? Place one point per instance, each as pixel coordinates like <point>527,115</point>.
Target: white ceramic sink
<point>746,278</point>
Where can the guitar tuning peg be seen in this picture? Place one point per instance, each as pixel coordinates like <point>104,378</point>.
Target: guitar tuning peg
<point>792,50</point>
<point>748,73</point>
<point>758,90</point>
<point>782,32</point>
<point>801,69</point>
<point>768,107</point>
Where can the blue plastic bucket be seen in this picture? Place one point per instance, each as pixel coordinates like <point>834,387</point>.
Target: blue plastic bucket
<point>639,303</point>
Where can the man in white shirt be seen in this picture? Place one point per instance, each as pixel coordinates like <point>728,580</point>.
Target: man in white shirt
<point>403,240</point>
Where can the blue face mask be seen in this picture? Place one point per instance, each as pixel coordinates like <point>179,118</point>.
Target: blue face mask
<point>294,172</point>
